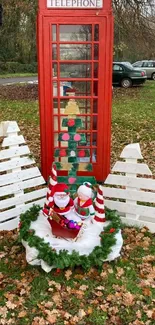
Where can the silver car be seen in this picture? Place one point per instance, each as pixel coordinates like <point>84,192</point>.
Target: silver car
<point>148,66</point>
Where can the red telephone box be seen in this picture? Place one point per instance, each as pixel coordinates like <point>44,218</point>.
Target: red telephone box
<point>75,40</point>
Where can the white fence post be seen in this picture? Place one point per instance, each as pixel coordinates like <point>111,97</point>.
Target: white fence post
<point>133,195</point>
<point>18,177</point>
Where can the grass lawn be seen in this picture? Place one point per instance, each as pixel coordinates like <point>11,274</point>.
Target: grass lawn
<point>14,75</point>
<point>124,292</point>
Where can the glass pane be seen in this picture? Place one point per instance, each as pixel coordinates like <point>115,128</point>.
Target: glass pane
<point>95,105</point>
<point>94,122</point>
<point>55,106</point>
<point>54,52</point>
<point>96,33</point>
<point>54,33</point>
<point>95,88</point>
<point>56,143</point>
<point>95,70</point>
<point>96,51</point>
<point>75,52</point>
<point>84,105</point>
<point>75,33</point>
<point>81,88</point>
<point>94,155</point>
<point>86,122</point>
<point>55,124</point>
<point>94,139</point>
<point>75,70</point>
<point>54,69</point>
<point>55,89</point>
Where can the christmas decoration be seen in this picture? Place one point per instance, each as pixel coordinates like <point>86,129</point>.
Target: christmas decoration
<point>59,253</point>
<point>83,203</point>
<point>74,233</point>
<point>49,196</point>
<point>72,149</point>
<point>99,208</point>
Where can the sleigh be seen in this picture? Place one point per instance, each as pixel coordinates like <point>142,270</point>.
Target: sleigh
<point>64,228</point>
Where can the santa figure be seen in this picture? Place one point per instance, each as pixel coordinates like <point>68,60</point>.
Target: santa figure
<point>83,203</point>
<point>60,201</point>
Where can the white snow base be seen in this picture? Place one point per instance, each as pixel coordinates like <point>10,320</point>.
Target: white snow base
<point>84,245</point>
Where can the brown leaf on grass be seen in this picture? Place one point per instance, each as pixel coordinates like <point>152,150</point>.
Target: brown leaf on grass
<point>55,284</point>
<point>147,292</point>
<point>68,274</point>
<point>89,310</point>
<point>138,314</point>
<point>83,287</point>
<point>2,254</point>
<point>78,276</point>
<point>137,322</point>
<point>78,293</point>
<point>104,274</point>
<point>66,315</point>
<point>74,320</point>
<point>98,293</point>
<point>120,271</point>
<point>150,313</point>
<point>3,311</point>
<point>1,275</point>
<point>104,307</point>
<point>100,288</point>
<point>22,314</point>
<point>39,321</point>
<point>11,305</point>
<point>116,320</point>
<point>57,298</point>
<point>81,313</point>
<point>48,304</point>
<point>148,258</point>
<point>128,299</point>
<point>52,319</point>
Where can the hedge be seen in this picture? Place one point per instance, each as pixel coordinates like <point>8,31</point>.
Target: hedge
<point>16,67</point>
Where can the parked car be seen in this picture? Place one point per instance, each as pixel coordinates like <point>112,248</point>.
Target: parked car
<point>126,76</point>
<point>148,66</point>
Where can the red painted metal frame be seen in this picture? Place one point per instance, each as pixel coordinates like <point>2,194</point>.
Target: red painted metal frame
<point>46,18</point>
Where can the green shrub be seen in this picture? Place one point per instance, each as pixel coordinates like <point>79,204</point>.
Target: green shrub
<point>16,67</point>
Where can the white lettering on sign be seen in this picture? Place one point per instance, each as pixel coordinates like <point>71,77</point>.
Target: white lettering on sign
<point>86,4</point>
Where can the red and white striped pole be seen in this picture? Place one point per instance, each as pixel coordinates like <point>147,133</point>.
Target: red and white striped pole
<point>52,182</point>
<point>99,207</point>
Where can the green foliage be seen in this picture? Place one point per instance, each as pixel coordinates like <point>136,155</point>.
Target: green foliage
<point>89,167</point>
<point>58,165</point>
<point>62,259</point>
<point>16,67</point>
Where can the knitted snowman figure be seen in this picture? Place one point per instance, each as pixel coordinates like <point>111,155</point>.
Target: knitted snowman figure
<point>83,203</point>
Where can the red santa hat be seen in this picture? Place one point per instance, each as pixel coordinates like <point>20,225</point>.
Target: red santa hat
<point>85,189</point>
<point>99,206</point>
<point>59,188</point>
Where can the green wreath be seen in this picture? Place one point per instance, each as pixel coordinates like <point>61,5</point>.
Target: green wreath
<point>63,259</point>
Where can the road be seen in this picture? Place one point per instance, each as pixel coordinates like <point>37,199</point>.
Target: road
<point>9,81</point>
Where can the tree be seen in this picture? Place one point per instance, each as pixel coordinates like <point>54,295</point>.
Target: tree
<point>134,29</point>
<point>18,33</point>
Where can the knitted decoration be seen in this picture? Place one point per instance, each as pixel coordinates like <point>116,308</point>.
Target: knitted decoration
<point>52,182</point>
<point>99,206</point>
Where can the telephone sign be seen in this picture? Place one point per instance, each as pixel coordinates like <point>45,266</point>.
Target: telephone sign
<point>68,4</point>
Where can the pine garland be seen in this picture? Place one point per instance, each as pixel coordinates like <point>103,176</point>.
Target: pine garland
<point>63,259</point>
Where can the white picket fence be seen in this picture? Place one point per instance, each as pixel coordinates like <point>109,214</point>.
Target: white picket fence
<point>19,178</point>
<point>130,193</point>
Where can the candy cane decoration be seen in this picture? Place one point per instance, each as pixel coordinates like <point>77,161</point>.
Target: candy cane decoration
<point>99,206</point>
